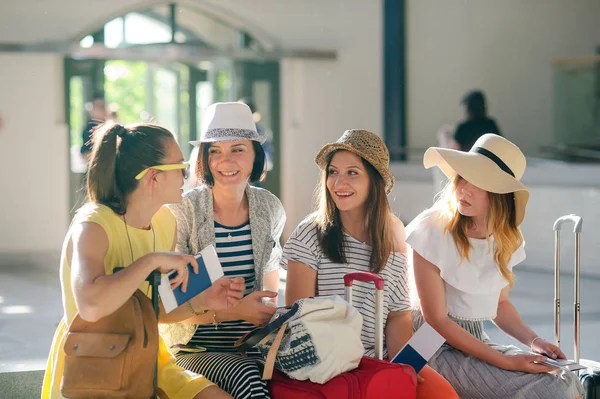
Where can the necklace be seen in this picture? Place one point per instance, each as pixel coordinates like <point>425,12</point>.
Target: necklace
<point>129,239</point>
<point>217,217</point>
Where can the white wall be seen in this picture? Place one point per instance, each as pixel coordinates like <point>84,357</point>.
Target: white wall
<point>503,47</point>
<point>322,99</point>
<point>33,154</point>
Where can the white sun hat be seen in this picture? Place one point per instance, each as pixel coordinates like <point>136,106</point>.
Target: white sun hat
<point>493,164</point>
<point>228,122</point>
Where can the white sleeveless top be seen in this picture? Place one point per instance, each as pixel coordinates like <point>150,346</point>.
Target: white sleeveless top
<point>472,286</point>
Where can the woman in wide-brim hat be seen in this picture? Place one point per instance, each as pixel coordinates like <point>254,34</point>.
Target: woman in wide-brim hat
<point>353,229</point>
<point>244,223</point>
<point>464,249</point>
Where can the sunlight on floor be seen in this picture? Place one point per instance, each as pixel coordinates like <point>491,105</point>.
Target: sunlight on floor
<point>16,309</point>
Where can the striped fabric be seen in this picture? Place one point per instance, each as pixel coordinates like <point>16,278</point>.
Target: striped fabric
<point>234,248</point>
<point>221,363</point>
<point>237,375</point>
<point>475,379</point>
<point>303,247</point>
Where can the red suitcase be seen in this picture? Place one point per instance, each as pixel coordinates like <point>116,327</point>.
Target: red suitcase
<point>373,379</point>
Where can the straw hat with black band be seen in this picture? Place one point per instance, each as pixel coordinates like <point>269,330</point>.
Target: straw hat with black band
<point>493,164</point>
<point>366,145</point>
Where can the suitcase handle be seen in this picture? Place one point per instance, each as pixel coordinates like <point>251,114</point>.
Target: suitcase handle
<point>379,284</point>
<point>364,277</point>
<point>569,218</point>
<point>578,222</point>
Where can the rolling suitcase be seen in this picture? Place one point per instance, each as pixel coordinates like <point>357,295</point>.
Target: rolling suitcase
<point>373,379</point>
<point>590,379</point>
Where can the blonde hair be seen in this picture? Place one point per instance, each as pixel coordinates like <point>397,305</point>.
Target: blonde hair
<point>500,220</point>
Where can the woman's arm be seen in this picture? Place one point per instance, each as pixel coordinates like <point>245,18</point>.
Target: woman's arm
<point>271,283</point>
<point>509,321</point>
<point>431,292</point>
<point>301,282</point>
<point>97,294</point>
<point>398,327</point>
<point>398,331</point>
<point>399,234</point>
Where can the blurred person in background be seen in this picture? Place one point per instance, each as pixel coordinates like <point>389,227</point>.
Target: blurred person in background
<point>97,115</point>
<point>476,124</point>
<point>112,114</point>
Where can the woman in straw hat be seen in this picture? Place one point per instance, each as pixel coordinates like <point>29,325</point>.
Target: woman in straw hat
<point>244,223</point>
<point>353,229</point>
<point>464,249</point>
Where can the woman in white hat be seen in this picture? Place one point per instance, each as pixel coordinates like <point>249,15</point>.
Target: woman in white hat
<point>244,223</point>
<point>353,229</point>
<point>464,249</point>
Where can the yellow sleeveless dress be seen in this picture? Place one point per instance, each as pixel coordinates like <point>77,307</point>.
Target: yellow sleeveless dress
<point>175,381</point>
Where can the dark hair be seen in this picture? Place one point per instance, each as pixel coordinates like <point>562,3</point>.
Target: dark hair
<point>378,220</point>
<point>474,101</point>
<point>259,167</point>
<point>118,154</point>
<point>97,96</point>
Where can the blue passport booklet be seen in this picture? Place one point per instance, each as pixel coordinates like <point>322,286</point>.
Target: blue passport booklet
<point>420,348</point>
<point>209,270</point>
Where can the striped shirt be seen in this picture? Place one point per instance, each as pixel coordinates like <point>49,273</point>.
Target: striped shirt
<point>234,249</point>
<point>303,247</point>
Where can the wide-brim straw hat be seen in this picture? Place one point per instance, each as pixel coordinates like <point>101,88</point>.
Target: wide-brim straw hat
<point>366,145</point>
<point>228,122</point>
<point>493,164</point>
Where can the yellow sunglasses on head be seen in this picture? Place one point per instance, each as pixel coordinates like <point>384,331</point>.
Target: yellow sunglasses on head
<point>173,166</point>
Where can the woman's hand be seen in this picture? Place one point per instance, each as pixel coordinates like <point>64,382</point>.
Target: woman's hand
<point>224,293</point>
<point>543,347</point>
<point>252,309</point>
<point>527,363</point>
<point>166,262</point>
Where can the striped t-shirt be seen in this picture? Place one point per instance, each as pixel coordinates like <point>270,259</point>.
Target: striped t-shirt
<point>234,248</point>
<point>303,247</point>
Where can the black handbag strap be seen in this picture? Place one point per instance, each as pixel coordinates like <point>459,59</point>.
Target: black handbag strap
<point>245,343</point>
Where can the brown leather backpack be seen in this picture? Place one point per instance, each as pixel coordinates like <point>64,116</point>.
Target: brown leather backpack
<point>114,357</point>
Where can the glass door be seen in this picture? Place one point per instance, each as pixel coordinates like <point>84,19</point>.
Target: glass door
<point>259,83</point>
<point>84,80</point>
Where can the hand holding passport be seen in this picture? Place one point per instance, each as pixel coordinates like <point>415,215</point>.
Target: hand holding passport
<point>209,270</point>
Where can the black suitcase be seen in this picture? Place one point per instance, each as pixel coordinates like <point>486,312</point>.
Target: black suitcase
<point>591,385</point>
<point>589,378</point>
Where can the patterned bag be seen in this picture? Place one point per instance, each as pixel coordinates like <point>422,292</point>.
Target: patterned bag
<point>315,339</point>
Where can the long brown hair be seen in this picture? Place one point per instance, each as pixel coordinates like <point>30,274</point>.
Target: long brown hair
<point>500,220</point>
<point>378,220</point>
<point>118,154</point>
